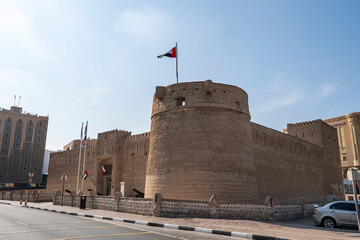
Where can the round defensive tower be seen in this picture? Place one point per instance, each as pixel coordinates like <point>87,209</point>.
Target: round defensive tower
<point>201,143</point>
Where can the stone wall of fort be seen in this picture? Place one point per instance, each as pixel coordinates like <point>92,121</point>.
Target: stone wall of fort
<point>201,143</point>
<point>289,169</point>
<point>67,162</point>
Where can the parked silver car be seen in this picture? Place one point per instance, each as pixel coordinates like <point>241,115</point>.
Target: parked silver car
<point>339,213</point>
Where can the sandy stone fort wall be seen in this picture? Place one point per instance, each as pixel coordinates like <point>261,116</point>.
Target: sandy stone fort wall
<point>202,143</point>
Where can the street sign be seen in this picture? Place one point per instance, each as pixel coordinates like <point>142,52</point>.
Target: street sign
<point>356,174</point>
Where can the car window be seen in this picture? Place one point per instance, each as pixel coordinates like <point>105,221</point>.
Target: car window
<point>343,206</point>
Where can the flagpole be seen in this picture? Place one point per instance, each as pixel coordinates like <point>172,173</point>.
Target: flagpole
<point>78,172</point>
<point>177,75</point>
<point>82,182</point>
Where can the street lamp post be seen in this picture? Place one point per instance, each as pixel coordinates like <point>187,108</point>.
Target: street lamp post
<point>31,175</point>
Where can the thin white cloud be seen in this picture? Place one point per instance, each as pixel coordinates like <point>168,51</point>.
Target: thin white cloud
<point>284,92</point>
<point>326,90</point>
<point>142,25</point>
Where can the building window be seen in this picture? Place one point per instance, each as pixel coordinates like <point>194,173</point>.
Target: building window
<point>34,168</point>
<point>30,123</point>
<point>7,127</point>
<point>27,145</point>
<point>4,151</point>
<point>29,130</point>
<point>342,135</point>
<point>16,144</point>
<point>37,146</point>
<point>35,161</point>
<point>39,131</point>
<point>25,160</point>
<point>180,102</point>
<point>8,120</point>
<point>19,122</point>
<point>14,160</point>
<point>2,159</point>
<point>356,153</point>
<point>358,133</point>
<point>12,176</point>
<point>37,153</point>
<point>40,124</point>
<point>26,152</point>
<point>23,176</point>
<point>12,168</point>
<point>1,167</point>
<point>15,152</point>
<point>24,169</point>
<point>17,136</point>
<point>38,139</point>
<point>28,138</point>
<point>5,143</point>
<point>6,135</point>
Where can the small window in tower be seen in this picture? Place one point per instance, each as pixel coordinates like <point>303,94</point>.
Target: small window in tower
<point>40,124</point>
<point>180,102</point>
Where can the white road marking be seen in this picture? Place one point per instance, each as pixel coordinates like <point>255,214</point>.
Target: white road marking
<point>22,223</point>
<point>119,224</point>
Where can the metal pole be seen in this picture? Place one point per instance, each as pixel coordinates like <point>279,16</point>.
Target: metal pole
<point>82,183</point>
<point>177,75</point>
<point>62,192</point>
<point>29,192</point>
<point>78,173</point>
<point>355,197</point>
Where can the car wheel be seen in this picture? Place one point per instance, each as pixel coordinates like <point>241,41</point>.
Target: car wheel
<point>329,222</point>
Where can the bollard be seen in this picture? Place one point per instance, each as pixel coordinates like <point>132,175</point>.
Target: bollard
<point>20,201</point>
<point>25,202</point>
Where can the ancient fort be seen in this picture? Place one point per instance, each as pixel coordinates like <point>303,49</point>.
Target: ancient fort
<point>202,143</point>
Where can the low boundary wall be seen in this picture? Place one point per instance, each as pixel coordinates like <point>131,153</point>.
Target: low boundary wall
<point>179,208</point>
<point>34,196</point>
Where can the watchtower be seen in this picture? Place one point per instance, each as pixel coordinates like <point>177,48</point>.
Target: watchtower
<point>201,143</point>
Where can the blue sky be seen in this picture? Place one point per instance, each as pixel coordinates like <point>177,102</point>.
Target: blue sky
<point>96,60</point>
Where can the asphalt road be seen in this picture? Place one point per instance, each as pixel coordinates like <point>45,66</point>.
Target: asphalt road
<point>25,223</point>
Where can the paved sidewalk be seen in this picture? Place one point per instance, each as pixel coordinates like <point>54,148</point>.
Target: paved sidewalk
<point>296,229</point>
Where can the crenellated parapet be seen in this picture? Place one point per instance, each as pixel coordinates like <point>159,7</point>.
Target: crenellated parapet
<point>200,95</point>
<point>138,136</point>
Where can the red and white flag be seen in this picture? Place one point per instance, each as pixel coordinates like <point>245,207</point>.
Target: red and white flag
<point>103,170</point>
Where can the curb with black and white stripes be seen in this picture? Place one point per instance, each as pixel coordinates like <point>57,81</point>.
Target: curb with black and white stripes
<point>152,224</point>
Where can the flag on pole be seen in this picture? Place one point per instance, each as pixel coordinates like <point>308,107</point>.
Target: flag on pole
<point>85,175</point>
<point>86,130</point>
<point>103,170</point>
<point>82,126</point>
<point>171,53</point>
